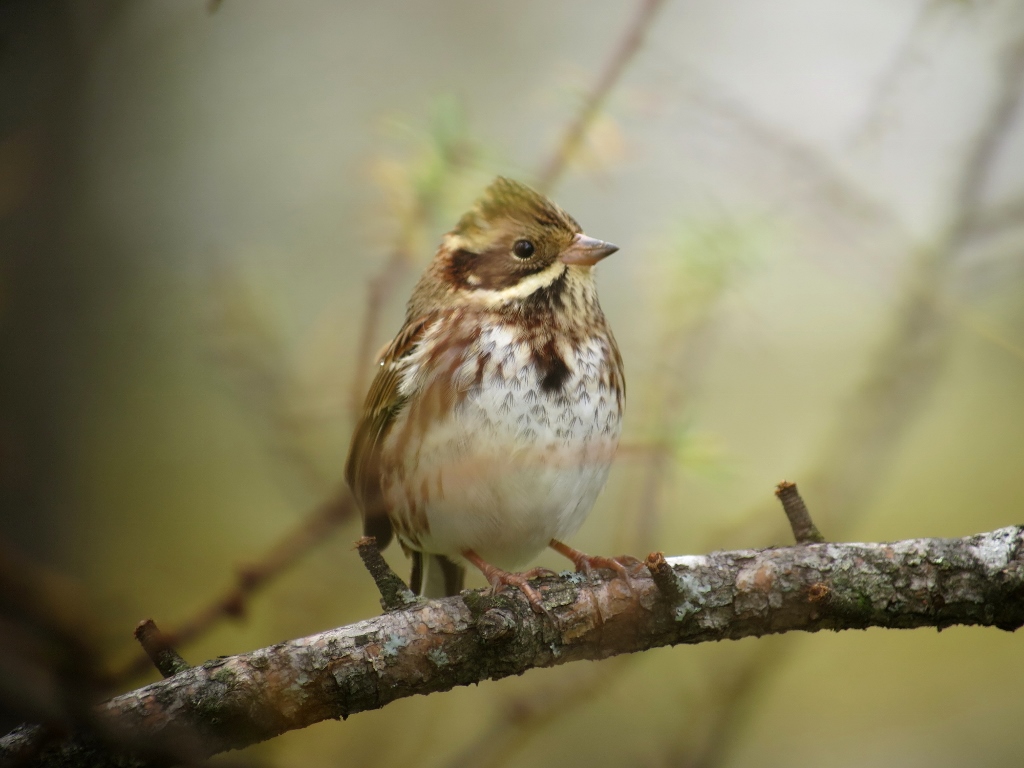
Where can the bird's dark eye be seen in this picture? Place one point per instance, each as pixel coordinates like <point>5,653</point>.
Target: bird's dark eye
<point>523,249</point>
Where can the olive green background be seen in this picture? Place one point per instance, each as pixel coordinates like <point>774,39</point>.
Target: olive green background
<point>193,198</point>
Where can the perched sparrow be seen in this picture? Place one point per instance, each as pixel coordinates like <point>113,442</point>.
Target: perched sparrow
<point>489,429</point>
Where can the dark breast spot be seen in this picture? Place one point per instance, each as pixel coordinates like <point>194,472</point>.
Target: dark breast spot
<point>481,367</point>
<point>553,372</point>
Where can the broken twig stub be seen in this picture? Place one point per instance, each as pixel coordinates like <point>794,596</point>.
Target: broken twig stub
<point>804,529</point>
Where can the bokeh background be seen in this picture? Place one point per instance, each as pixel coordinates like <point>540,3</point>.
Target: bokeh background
<point>820,208</point>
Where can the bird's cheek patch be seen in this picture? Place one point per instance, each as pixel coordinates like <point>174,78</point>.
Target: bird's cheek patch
<point>491,270</point>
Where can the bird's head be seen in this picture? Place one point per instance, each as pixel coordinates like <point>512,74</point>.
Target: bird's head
<point>512,243</point>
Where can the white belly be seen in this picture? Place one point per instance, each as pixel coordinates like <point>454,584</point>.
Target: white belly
<point>514,466</point>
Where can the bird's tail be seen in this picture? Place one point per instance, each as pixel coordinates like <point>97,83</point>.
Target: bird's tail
<point>436,575</point>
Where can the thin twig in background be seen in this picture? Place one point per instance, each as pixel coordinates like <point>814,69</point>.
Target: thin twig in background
<point>983,328</point>
<point>729,698</point>
<point>704,260</point>
<point>968,198</point>
<point>577,129</point>
<point>869,431</point>
<point>250,579</point>
<point>247,346</point>
<point>899,64</point>
<point>453,153</point>
<point>687,356</point>
<point>825,185</point>
<point>998,218</point>
<point>521,716</point>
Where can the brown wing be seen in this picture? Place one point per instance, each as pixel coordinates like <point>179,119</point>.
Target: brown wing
<point>382,406</point>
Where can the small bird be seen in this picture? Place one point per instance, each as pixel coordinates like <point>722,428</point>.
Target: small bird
<point>491,423</point>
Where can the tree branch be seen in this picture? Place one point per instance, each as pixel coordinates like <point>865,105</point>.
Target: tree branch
<point>235,701</point>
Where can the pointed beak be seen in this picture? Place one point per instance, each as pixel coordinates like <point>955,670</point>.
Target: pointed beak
<point>587,251</point>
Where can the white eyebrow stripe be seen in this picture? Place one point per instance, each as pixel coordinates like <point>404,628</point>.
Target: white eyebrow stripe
<point>520,290</point>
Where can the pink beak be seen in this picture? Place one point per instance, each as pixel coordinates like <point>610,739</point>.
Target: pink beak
<point>586,251</point>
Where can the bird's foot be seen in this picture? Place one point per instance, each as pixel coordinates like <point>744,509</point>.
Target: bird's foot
<point>587,563</point>
<point>499,579</point>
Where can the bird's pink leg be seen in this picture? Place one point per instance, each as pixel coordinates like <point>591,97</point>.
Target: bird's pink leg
<point>498,578</point>
<point>587,563</point>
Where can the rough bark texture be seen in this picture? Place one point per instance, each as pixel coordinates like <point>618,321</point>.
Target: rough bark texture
<point>231,702</point>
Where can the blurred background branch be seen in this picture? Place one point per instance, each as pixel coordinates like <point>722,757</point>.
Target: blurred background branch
<point>590,107</point>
